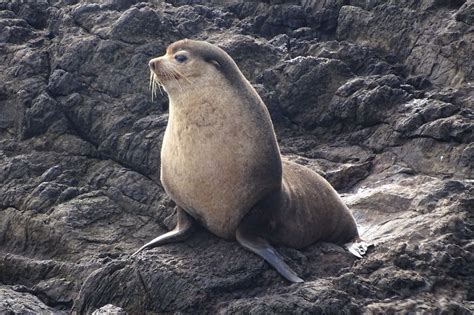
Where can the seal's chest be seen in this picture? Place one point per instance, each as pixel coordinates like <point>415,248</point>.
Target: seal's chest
<point>214,163</point>
<point>209,182</point>
<point>209,193</point>
<point>201,117</point>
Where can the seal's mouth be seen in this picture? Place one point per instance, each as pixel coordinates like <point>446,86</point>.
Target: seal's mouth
<point>163,71</point>
<point>161,75</point>
<point>159,78</point>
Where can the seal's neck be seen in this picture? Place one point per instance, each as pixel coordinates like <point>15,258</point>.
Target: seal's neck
<point>189,96</point>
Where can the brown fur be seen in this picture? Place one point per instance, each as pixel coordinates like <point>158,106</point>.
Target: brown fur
<point>306,209</point>
<point>219,153</point>
<point>221,162</point>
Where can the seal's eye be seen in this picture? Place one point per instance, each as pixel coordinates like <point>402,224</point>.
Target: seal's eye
<point>180,58</point>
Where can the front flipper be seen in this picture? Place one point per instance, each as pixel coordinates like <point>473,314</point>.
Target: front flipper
<point>262,248</point>
<point>183,229</point>
<point>358,247</point>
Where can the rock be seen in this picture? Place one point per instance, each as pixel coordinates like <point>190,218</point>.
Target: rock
<point>281,19</point>
<point>252,55</point>
<point>135,23</point>
<point>40,116</point>
<point>271,20</point>
<point>14,30</point>
<point>63,83</point>
<point>150,281</point>
<point>375,96</point>
<point>454,127</point>
<point>466,13</point>
<point>58,292</point>
<point>421,111</point>
<point>361,59</point>
<point>315,297</point>
<point>110,309</point>
<point>44,196</point>
<point>359,101</point>
<point>35,13</point>
<point>120,4</point>
<point>392,31</point>
<point>404,283</point>
<point>351,20</point>
<point>13,302</point>
<point>315,79</point>
<point>348,175</point>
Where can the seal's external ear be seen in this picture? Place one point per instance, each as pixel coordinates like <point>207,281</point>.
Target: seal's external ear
<point>215,63</point>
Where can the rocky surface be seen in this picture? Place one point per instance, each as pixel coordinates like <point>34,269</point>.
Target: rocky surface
<point>377,96</point>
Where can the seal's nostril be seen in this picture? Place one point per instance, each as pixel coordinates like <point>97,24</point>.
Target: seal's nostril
<point>151,64</point>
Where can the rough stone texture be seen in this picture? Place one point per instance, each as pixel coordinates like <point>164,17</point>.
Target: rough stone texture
<point>377,96</point>
<point>109,309</point>
<point>17,300</point>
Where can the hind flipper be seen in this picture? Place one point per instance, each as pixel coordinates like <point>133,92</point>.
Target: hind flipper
<point>357,247</point>
<point>261,247</point>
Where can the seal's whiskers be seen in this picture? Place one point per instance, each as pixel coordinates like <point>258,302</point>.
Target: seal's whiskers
<point>152,85</point>
<point>158,83</point>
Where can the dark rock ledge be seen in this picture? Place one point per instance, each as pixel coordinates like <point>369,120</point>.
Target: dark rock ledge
<point>377,96</point>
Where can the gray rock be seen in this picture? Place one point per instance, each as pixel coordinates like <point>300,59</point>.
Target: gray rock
<point>375,96</point>
<point>317,79</point>
<point>13,302</point>
<point>14,30</point>
<point>466,13</point>
<point>40,116</point>
<point>110,309</point>
<point>135,23</point>
<point>63,83</point>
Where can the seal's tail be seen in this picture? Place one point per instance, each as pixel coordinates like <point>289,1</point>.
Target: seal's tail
<point>358,247</point>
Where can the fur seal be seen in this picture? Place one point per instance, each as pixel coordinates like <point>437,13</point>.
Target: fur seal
<point>221,164</point>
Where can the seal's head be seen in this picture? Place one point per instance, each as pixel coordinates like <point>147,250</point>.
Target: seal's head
<point>189,62</point>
